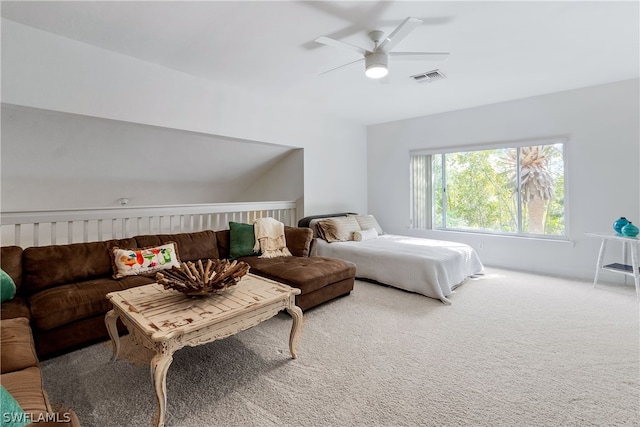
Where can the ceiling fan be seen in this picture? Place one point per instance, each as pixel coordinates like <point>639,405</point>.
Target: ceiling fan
<point>376,61</point>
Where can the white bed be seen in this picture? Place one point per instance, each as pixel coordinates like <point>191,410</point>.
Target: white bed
<point>429,267</point>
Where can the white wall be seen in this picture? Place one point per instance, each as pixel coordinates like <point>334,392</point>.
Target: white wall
<point>66,161</point>
<point>602,125</point>
<point>43,70</point>
<point>283,181</point>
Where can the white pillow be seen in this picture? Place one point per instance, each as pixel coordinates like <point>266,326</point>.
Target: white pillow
<point>368,221</point>
<point>369,233</point>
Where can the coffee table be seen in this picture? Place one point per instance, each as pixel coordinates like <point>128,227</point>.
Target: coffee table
<point>166,320</point>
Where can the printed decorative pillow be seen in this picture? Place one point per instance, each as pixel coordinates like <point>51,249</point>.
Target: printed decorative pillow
<point>7,287</point>
<point>338,229</point>
<point>131,262</point>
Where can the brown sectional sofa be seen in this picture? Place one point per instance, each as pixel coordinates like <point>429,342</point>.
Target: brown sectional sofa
<point>21,376</point>
<point>62,288</point>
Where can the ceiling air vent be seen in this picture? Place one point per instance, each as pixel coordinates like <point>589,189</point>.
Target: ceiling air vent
<point>429,76</point>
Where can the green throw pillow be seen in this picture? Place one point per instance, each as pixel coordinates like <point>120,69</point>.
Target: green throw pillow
<point>12,413</point>
<point>7,287</point>
<point>242,238</point>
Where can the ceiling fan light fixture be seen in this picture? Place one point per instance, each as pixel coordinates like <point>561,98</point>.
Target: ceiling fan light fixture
<point>376,65</point>
<point>376,71</point>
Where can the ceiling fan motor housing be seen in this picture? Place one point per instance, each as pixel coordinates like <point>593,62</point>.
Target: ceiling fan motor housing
<point>376,60</point>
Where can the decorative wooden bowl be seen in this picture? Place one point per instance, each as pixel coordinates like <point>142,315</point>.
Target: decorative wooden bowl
<point>203,279</point>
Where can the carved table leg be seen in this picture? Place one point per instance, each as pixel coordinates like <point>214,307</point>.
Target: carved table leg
<point>296,315</point>
<point>159,366</point>
<point>110,320</point>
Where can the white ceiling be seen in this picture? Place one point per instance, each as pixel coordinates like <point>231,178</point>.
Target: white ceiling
<point>499,50</point>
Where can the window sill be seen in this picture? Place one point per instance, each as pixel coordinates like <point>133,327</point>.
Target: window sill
<point>524,237</point>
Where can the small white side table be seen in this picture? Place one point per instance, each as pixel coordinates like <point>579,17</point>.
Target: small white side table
<point>630,243</point>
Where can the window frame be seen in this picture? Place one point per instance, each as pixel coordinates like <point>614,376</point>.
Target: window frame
<point>515,144</point>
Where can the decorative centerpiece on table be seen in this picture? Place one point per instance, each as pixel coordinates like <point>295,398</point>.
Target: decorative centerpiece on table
<point>619,223</point>
<point>625,227</point>
<point>629,230</point>
<point>203,278</point>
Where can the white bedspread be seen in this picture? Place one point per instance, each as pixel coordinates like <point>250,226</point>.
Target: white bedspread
<point>429,267</point>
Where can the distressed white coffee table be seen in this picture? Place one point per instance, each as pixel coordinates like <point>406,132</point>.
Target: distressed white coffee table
<point>166,320</point>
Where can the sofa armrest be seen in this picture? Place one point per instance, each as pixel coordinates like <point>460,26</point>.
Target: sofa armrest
<point>298,240</point>
<point>17,307</point>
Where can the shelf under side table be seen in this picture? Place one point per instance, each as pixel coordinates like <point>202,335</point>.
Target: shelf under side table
<point>620,268</point>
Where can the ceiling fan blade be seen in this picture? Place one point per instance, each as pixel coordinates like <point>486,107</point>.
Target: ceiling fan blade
<point>420,56</point>
<point>342,66</point>
<point>341,45</point>
<point>399,33</point>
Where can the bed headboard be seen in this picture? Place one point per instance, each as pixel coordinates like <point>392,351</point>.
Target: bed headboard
<point>304,222</point>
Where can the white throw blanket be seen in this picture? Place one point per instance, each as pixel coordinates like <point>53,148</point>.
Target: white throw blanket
<point>270,238</point>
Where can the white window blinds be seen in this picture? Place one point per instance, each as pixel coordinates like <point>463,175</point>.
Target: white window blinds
<point>421,188</point>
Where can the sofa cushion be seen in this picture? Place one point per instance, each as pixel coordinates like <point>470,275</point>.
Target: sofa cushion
<point>17,307</point>
<point>48,266</point>
<point>191,246</point>
<point>242,239</point>
<point>16,340</point>
<point>298,240</point>
<point>224,243</point>
<point>305,273</point>
<point>146,261</point>
<point>67,303</point>
<point>322,295</point>
<point>11,262</point>
<point>7,287</point>
<point>26,387</point>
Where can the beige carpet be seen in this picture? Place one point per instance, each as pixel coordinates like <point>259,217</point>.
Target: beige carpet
<point>513,350</point>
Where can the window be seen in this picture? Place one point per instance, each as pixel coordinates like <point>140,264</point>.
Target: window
<point>517,189</point>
